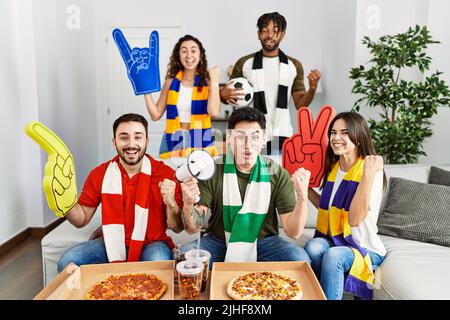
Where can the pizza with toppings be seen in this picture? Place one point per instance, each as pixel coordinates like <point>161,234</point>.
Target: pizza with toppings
<point>139,286</point>
<point>264,286</point>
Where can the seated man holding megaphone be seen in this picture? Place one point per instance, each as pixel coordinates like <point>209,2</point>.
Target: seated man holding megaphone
<point>244,195</point>
<point>139,198</point>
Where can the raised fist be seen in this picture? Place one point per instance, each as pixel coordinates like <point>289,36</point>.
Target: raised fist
<point>372,164</point>
<point>306,149</point>
<point>214,73</point>
<point>191,192</point>
<point>300,179</point>
<point>167,188</point>
<point>313,78</point>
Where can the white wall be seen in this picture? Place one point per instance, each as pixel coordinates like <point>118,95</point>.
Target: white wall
<point>338,52</point>
<point>21,202</point>
<point>66,81</point>
<point>226,33</point>
<point>438,146</point>
<point>53,73</point>
<point>12,213</point>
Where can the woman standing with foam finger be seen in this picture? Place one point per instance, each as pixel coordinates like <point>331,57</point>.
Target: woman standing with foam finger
<point>346,247</point>
<point>190,95</point>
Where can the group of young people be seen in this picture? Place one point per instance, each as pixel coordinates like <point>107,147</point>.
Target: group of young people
<point>249,193</point>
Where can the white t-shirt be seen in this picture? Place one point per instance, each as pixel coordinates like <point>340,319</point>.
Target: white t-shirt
<point>365,235</point>
<point>184,103</point>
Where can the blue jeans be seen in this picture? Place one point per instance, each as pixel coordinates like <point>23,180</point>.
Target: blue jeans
<point>273,248</point>
<point>94,251</point>
<point>331,263</point>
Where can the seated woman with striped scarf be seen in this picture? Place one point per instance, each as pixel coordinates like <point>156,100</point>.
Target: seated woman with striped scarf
<point>346,248</point>
<point>190,95</point>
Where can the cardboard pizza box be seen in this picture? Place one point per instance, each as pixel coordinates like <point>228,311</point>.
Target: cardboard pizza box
<point>74,282</point>
<point>224,272</point>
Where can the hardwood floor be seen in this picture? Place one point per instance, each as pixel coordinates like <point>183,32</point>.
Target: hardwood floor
<point>21,271</point>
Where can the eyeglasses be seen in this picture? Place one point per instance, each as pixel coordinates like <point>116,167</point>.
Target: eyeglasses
<point>241,138</point>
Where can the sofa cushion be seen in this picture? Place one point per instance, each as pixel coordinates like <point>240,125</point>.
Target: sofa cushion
<point>311,220</point>
<point>416,211</point>
<point>183,237</point>
<point>62,238</point>
<point>308,233</point>
<point>413,172</point>
<point>412,270</point>
<point>439,176</point>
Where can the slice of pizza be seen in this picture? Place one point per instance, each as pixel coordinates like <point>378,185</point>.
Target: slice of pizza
<point>264,286</point>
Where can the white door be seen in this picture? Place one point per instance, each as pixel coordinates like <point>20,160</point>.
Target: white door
<point>119,95</point>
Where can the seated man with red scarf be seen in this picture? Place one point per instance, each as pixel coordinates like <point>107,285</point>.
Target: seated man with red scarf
<point>139,202</point>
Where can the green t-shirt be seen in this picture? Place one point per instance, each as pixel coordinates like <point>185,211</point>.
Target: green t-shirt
<point>282,197</point>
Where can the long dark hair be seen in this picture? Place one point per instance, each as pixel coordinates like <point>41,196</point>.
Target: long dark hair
<point>358,133</point>
<point>175,65</point>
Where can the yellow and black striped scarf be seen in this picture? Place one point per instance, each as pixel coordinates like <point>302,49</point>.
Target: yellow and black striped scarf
<point>360,279</point>
<point>200,127</point>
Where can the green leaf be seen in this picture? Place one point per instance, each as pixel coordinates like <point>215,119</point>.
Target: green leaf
<point>379,84</point>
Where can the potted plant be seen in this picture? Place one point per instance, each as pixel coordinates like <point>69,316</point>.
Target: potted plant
<point>406,106</point>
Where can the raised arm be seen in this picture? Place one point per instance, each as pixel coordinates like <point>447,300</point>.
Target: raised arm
<point>80,215</point>
<point>192,215</point>
<point>173,211</point>
<point>304,98</point>
<point>157,110</point>
<point>360,205</point>
<point>213,93</point>
<point>294,222</point>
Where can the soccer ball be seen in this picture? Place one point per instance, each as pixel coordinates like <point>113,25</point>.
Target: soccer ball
<point>241,83</point>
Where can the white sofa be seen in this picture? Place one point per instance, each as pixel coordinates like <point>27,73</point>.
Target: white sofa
<point>411,269</point>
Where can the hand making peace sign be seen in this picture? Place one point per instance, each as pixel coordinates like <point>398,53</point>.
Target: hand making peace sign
<point>306,149</point>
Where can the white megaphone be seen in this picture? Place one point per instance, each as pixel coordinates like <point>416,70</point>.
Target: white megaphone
<point>199,164</point>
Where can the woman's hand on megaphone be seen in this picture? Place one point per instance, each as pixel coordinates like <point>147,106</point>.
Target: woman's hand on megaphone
<point>190,192</point>
<point>167,188</point>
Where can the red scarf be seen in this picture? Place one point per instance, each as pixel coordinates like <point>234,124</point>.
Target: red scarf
<point>113,215</point>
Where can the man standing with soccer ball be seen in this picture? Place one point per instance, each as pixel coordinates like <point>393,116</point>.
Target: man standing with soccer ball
<point>273,76</point>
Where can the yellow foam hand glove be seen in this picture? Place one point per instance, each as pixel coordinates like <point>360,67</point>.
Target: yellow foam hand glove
<point>59,183</point>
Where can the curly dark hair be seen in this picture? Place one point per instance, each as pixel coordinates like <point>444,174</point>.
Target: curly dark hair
<point>175,65</point>
<point>277,19</point>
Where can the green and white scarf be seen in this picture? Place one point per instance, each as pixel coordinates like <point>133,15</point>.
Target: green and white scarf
<point>242,221</point>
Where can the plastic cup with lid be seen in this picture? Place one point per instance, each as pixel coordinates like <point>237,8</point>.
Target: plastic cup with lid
<point>190,272</point>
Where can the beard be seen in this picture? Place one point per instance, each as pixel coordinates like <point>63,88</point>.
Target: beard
<point>123,155</point>
<point>270,49</point>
